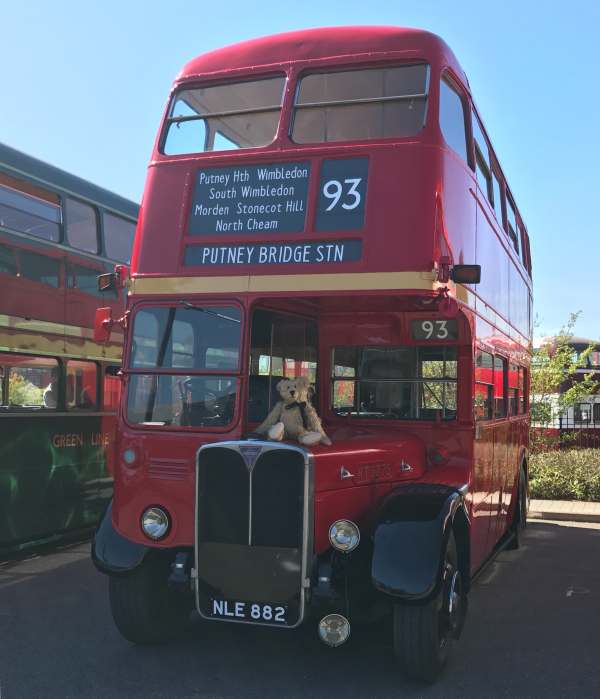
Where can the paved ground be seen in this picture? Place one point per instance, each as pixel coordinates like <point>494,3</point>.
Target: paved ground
<point>569,510</point>
<point>533,631</point>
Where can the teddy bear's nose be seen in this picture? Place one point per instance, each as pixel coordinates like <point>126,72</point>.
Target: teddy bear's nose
<point>292,392</point>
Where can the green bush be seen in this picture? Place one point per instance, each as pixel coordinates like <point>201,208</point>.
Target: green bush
<point>569,474</point>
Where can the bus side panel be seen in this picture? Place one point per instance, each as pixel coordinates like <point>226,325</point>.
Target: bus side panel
<point>458,209</point>
<point>53,475</point>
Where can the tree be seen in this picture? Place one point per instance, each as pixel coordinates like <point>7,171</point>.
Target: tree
<point>23,392</point>
<point>557,385</point>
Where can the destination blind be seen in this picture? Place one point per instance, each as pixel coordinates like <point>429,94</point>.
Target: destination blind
<point>250,199</point>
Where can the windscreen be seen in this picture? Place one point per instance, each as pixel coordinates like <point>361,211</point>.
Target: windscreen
<point>394,383</point>
<point>361,104</point>
<point>224,117</point>
<point>200,345</point>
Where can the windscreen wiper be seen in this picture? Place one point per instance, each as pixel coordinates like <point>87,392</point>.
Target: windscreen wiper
<point>202,309</point>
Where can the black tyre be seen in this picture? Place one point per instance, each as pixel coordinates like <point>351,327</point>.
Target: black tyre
<point>519,521</point>
<point>144,609</point>
<point>423,633</point>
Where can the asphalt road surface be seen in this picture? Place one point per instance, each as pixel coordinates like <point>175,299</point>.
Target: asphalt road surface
<point>533,631</point>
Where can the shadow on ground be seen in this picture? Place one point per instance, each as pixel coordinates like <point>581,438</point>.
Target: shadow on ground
<point>533,631</point>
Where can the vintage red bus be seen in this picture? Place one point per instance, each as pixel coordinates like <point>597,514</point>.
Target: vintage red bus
<point>320,204</point>
<point>58,397</point>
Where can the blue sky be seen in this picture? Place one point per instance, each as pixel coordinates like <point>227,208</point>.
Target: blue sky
<point>83,85</point>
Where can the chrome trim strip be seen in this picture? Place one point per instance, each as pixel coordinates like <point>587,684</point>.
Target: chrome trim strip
<point>307,528</point>
<point>359,100</point>
<point>5,411</point>
<point>250,484</point>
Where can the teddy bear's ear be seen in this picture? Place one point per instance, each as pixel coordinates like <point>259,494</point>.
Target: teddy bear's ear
<point>281,384</point>
<point>302,383</point>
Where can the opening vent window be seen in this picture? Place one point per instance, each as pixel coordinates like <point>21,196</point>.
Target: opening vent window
<point>361,104</point>
<point>224,117</point>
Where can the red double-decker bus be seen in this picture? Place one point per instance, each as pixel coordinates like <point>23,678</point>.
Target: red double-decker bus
<point>322,204</point>
<point>58,387</point>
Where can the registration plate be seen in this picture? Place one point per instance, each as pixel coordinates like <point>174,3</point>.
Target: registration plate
<point>257,612</point>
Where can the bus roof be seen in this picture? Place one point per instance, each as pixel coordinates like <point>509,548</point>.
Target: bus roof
<point>18,163</point>
<point>326,42</point>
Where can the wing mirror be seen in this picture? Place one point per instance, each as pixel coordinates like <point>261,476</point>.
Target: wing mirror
<point>107,282</point>
<point>112,281</point>
<point>466,274</point>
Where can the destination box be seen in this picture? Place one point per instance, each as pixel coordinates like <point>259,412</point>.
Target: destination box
<point>250,199</point>
<point>320,252</point>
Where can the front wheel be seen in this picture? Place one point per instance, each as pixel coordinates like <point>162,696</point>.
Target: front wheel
<point>423,633</point>
<point>144,609</point>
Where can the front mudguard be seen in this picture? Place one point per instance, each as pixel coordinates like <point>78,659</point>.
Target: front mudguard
<point>112,553</point>
<point>410,537</point>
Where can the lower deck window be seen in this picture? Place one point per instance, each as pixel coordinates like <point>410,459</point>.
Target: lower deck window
<point>282,346</point>
<point>28,382</point>
<point>181,401</point>
<point>82,385</point>
<point>414,383</point>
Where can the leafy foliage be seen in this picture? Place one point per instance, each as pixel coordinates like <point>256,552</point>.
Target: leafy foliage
<point>568,474</point>
<point>554,366</point>
<point>23,392</point>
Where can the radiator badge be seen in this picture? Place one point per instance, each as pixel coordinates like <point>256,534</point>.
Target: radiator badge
<point>250,454</point>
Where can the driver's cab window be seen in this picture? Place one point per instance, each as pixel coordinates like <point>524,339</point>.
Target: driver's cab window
<point>282,346</point>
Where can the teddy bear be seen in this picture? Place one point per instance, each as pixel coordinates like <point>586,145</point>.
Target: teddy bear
<point>293,417</point>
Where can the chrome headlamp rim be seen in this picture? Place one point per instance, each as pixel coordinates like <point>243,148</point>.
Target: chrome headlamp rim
<point>161,526</point>
<point>354,532</point>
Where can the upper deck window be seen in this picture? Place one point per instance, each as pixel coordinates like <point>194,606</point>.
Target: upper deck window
<point>224,117</point>
<point>361,104</point>
<point>512,223</point>
<point>29,209</point>
<point>118,237</point>
<point>482,160</point>
<point>82,225</point>
<point>452,119</point>
<point>497,187</point>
